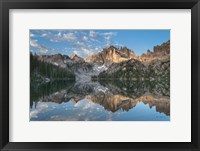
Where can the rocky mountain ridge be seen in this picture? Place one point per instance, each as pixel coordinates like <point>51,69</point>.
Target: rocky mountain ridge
<point>112,54</point>
<point>113,61</point>
<point>160,52</point>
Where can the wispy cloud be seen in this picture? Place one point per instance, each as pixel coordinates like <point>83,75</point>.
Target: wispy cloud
<point>108,37</point>
<point>84,52</point>
<point>39,48</point>
<point>85,38</point>
<point>60,37</point>
<point>69,36</point>
<point>32,35</point>
<point>93,34</point>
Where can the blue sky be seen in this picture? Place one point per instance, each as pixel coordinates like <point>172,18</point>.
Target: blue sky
<point>87,42</point>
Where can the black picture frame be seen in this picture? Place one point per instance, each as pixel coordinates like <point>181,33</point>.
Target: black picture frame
<point>5,5</point>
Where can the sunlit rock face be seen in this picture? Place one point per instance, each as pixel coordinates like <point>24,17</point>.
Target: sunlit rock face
<point>159,53</point>
<point>76,58</point>
<point>111,54</point>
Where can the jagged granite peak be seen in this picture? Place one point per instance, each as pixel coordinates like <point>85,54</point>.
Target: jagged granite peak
<point>127,53</point>
<point>164,48</point>
<point>160,52</point>
<point>111,47</point>
<point>66,56</point>
<point>57,56</point>
<point>54,57</point>
<point>112,54</point>
<point>76,58</point>
<point>74,55</point>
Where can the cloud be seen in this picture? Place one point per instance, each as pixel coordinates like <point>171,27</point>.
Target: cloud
<point>76,52</point>
<point>97,48</point>
<point>45,34</point>
<point>85,38</point>
<point>40,49</point>
<point>32,35</point>
<point>39,33</point>
<point>87,52</point>
<point>33,43</point>
<point>60,37</point>
<point>59,34</point>
<point>83,52</point>
<point>81,44</point>
<point>93,34</point>
<point>108,36</point>
<point>69,36</point>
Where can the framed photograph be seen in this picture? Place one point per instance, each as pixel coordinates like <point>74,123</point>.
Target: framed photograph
<point>99,75</point>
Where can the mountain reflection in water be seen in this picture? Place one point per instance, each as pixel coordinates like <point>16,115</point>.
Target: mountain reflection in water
<point>100,101</point>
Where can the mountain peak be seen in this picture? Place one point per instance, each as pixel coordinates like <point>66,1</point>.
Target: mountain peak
<point>57,56</point>
<point>112,54</point>
<point>111,47</point>
<point>160,52</point>
<point>76,57</point>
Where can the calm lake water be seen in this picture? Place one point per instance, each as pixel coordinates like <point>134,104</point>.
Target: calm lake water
<point>100,101</point>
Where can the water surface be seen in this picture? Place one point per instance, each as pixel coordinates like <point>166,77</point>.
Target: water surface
<point>100,101</point>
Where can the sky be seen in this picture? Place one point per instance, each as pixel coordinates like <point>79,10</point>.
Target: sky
<point>84,43</point>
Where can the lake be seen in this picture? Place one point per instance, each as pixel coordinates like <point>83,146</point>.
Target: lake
<point>100,101</point>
